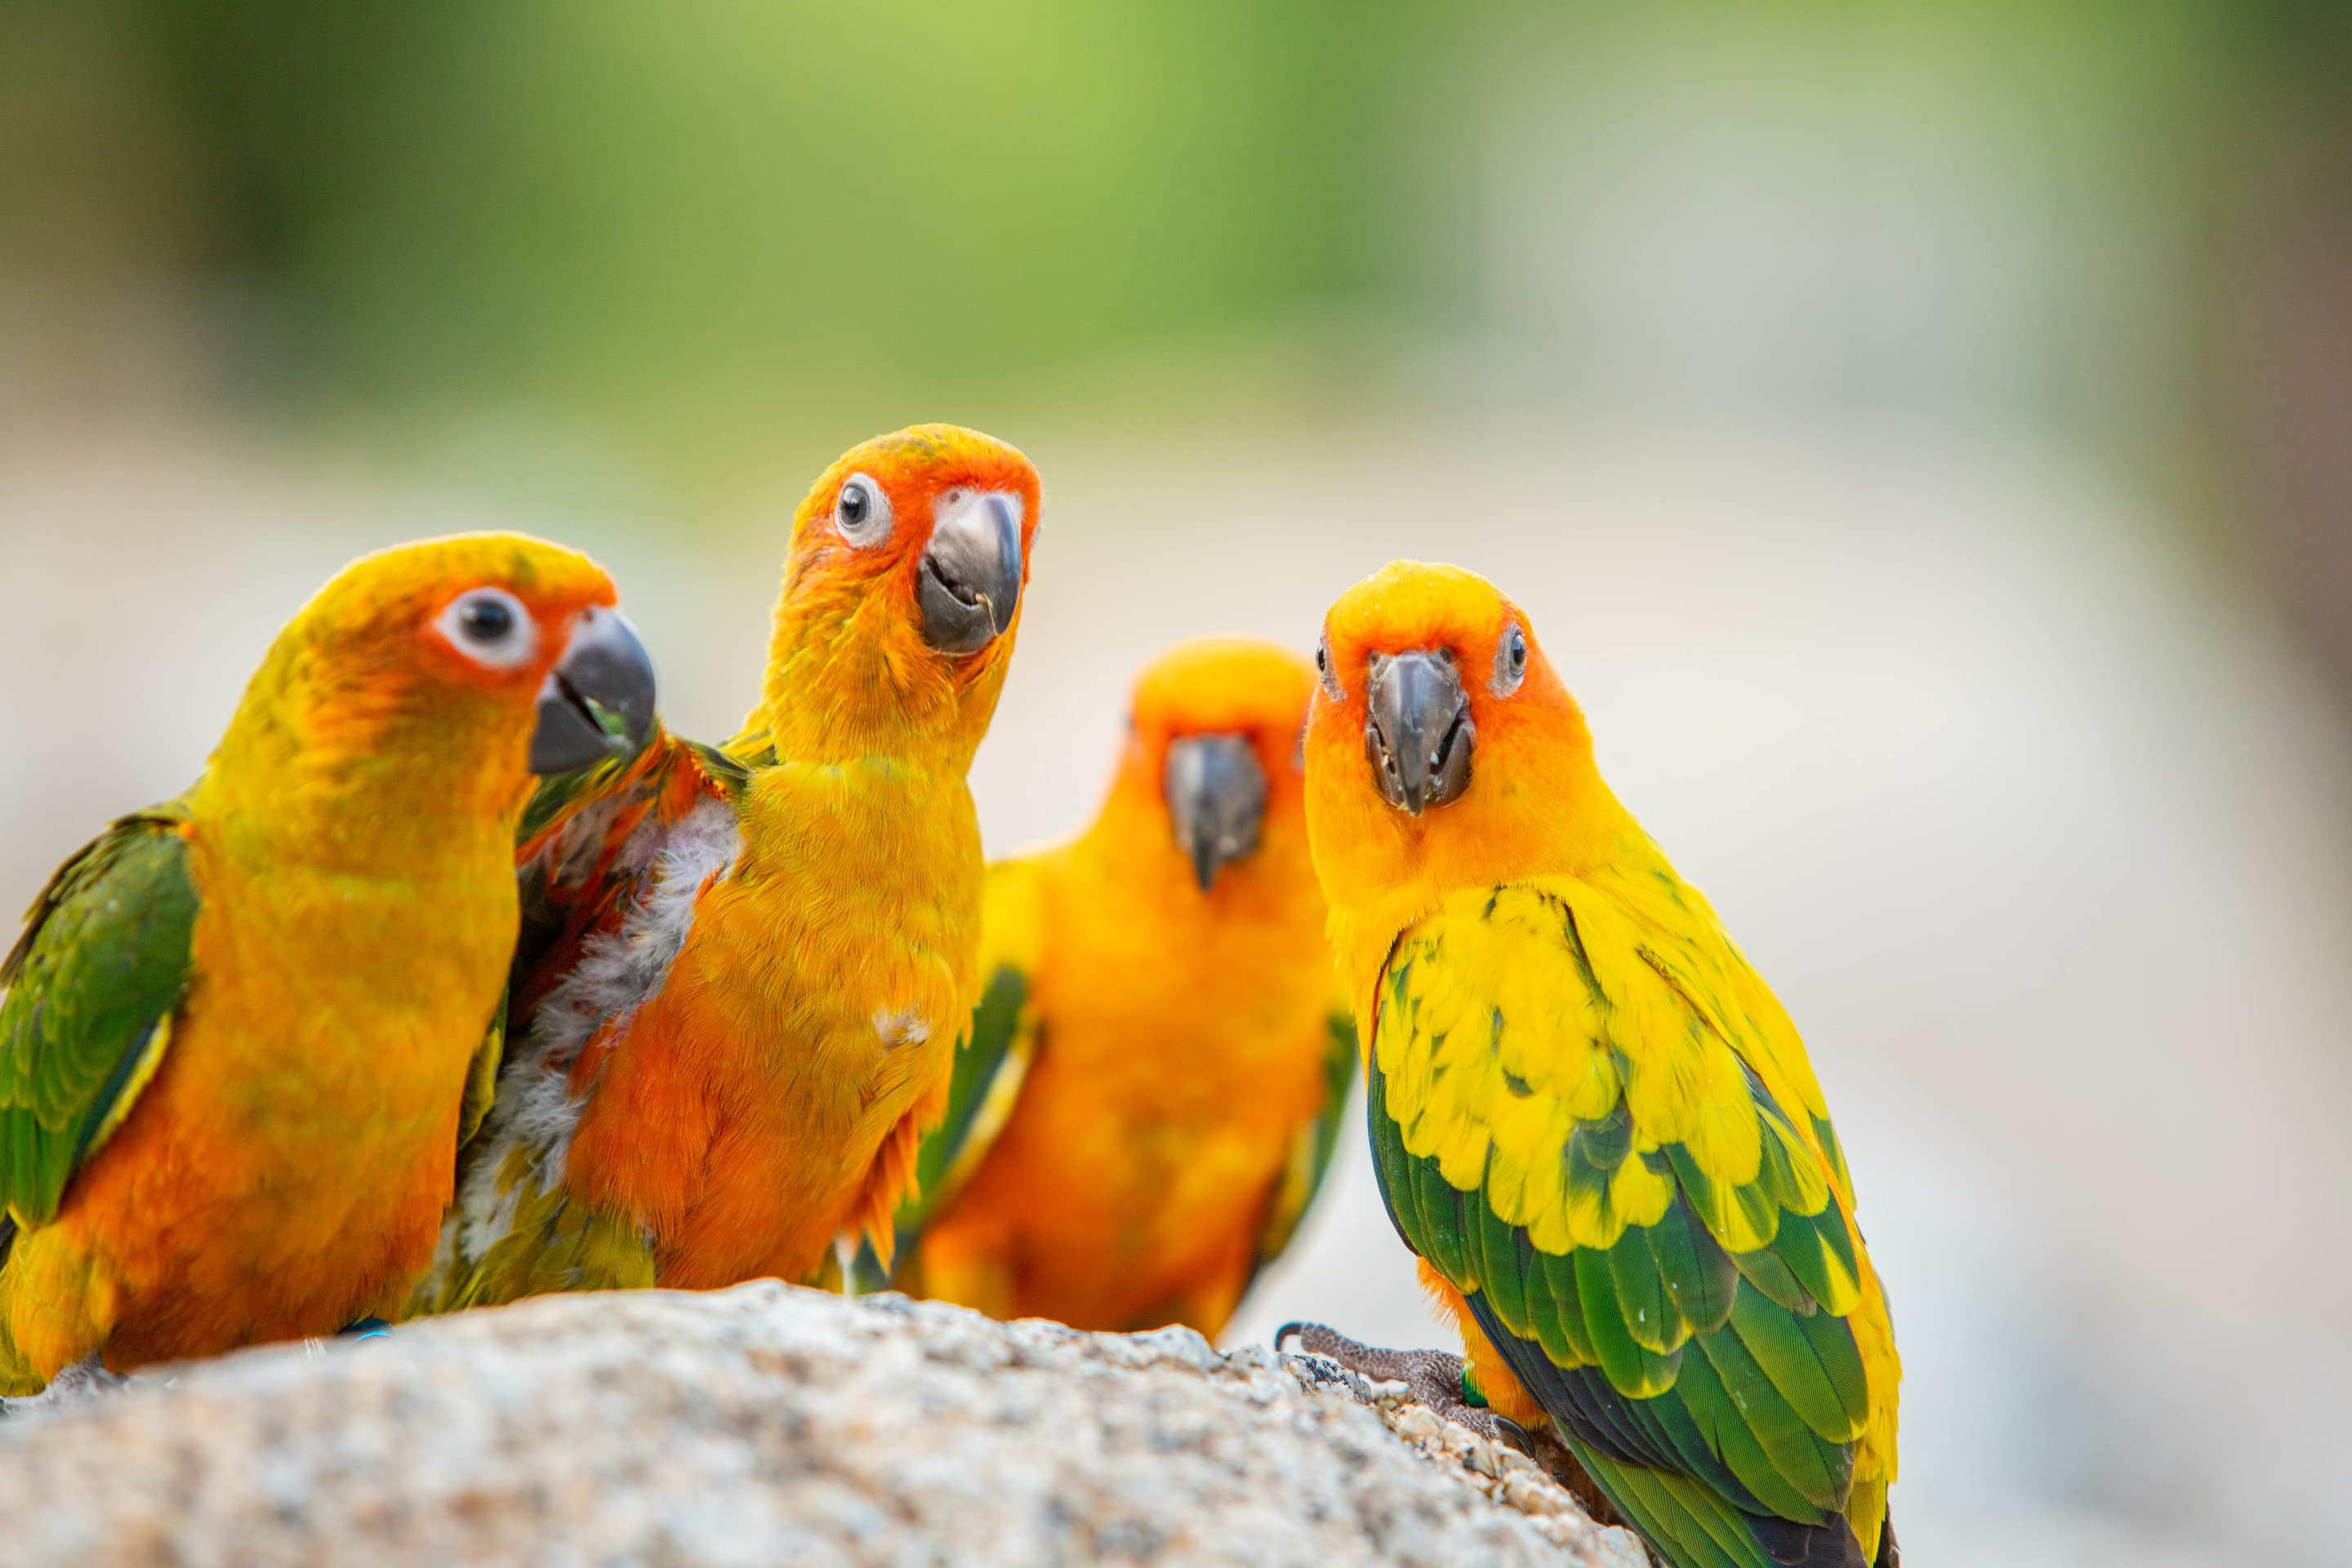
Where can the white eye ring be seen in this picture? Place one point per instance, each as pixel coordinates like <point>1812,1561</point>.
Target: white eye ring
<point>490,627</point>
<point>1510,661</point>
<point>861,512</point>
<point>1330,677</point>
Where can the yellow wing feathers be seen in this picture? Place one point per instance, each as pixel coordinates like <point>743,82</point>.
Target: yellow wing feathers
<point>1595,1078</point>
<point>1536,1008</point>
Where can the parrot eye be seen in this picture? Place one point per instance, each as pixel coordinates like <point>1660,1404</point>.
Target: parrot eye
<point>1323,667</point>
<point>1510,661</point>
<point>490,627</point>
<point>485,620</point>
<point>863,511</point>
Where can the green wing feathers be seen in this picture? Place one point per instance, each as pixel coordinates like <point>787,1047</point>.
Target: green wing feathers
<point>1311,1150</point>
<point>549,1244</point>
<point>86,998</point>
<point>991,1062</point>
<point>482,1075</point>
<point>993,1059</point>
<point>1570,1129</point>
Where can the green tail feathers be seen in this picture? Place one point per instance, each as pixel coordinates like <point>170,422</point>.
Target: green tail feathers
<point>1691,1526</point>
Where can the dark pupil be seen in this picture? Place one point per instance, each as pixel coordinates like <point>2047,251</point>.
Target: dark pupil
<point>1518,652</point>
<point>487,620</point>
<point>853,505</point>
<point>1323,660</point>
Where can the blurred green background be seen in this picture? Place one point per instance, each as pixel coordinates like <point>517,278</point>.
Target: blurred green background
<point>691,227</point>
<point>698,224</point>
<point>1920,431</point>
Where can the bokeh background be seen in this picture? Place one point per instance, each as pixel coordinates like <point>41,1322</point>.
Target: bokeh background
<point>1921,433</point>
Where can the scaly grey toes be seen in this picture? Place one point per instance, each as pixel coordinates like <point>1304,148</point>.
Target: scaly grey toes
<point>85,1380</point>
<point>1435,1377</point>
<point>1380,1365</point>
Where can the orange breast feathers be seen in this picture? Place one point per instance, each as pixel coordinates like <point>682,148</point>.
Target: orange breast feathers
<point>208,1217</point>
<point>764,952</point>
<point>1182,996</point>
<point>750,1113</point>
<point>276,1158</point>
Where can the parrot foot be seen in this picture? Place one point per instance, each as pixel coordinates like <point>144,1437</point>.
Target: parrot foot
<point>1435,1377</point>
<point>85,1380</point>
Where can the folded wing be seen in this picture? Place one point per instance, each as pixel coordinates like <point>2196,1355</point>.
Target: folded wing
<point>1571,1127</point>
<point>87,1000</point>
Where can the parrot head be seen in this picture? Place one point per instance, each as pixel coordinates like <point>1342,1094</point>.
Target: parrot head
<point>1214,739</point>
<point>902,586</point>
<point>468,662</point>
<point>1442,748</point>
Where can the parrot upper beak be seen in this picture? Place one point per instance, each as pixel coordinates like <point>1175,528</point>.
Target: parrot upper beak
<point>598,701</point>
<point>969,584</point>
<point>1216,801</point>
<point>1417,733</point>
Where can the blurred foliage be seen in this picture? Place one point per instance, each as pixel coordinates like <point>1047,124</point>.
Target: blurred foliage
<point>687,220</point>
<point>810,204</point>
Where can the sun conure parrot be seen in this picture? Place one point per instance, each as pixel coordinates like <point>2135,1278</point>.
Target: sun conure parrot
<point>745,968</point>
<point>1157,1068</point>
<point>243,1030</point>
<point>1590,1118</point>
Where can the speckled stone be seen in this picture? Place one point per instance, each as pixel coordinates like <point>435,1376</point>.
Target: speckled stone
<point>769,1424</point>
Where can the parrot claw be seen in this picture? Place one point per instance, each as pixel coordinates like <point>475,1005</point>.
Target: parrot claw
<point>85,1380</point>
<point>1435,1377</point>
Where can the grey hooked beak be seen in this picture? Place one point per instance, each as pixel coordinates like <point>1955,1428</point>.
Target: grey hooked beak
<point>969,582</point>
<point>598,701</point>
<point>1216,801</point>
<point>1418,733</point>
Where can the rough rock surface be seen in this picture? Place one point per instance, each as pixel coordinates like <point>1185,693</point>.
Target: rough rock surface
<point>769,1424</point>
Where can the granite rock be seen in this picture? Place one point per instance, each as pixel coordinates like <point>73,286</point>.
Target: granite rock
<point>769,1424</point>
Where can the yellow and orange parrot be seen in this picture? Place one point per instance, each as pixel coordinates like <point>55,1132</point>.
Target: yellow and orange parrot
<point>745,968</point>
<point>1590,1118</point>
<point>244,1030</point>
<point>1156,1073</point>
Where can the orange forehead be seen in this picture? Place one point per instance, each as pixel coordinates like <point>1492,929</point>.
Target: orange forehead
<point>1221,685</point>
<point>918,464</point>
<point>1410,605</point>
